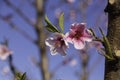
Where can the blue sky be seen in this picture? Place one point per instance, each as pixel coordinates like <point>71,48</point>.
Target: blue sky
<point>25,51</point>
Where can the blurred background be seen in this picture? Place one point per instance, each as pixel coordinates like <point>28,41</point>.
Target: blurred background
<point>22,25</point>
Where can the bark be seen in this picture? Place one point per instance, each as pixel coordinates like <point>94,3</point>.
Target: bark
<point>85,59</point>
<point>112,68</point>
<point>41,40</point>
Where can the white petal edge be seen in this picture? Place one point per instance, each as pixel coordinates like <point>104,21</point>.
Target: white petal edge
<point>53,51</point>
<point>78,44</point>
<point>87,39</point>
<point>49,42</point>
<point>67,38</point>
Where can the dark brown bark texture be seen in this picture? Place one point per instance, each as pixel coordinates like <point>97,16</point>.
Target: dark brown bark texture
<point>112,68</point>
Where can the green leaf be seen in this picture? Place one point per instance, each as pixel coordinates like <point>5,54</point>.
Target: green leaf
<point>20,76</point>
<point>23,77</point>
<point>61,22</point>
<point>106,44</point>
<point>50,27</point>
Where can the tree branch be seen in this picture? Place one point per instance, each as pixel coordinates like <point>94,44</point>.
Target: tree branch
<point>41,40</point>
<point>112,68</point>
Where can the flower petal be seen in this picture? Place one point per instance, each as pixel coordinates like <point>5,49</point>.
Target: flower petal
<point>53,51</point>
<point>57,44</point>
<point>68,38</point>
<point>4,52</point>
<point>79,44</point>
<point>78,27</point>
<point>49,42</point>
<point>66,44</point>
<point>4,57</point>
<point>62,50</point>
<point>87,35</point>
<point>88,39</point>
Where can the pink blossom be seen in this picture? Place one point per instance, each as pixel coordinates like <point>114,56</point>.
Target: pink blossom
<point>73,62</point>
<point>4,52</point>
<point>98,45</point>
<point>57,44</point>
<point>78,35</point>
<point>5,70</point>
<point>70,1</point>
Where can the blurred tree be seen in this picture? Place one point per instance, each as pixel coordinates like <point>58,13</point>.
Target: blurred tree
<point>112,68</point>
<point>76,11</point>
<point>40,7</point>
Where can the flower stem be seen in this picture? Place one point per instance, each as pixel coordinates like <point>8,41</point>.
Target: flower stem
<point>107,46</point>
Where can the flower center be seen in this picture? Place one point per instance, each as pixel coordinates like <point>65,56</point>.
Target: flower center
<point>59,42</point>
<point>78,34</point>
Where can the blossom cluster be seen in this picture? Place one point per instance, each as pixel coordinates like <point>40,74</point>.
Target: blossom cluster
<point>78,36</point>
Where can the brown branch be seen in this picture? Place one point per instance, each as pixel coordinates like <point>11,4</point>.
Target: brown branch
<point>10,60</point>
<point>12,68</point>
<point>112,68</point>
<point>85,59</point>
<point>41,40</point>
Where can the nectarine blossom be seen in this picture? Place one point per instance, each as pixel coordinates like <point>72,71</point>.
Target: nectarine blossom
<point>4,52</point>
<point>57,44</point>
<point>78,35</point>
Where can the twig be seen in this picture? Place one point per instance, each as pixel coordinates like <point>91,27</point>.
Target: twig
<point>12,68</point>
<point>10,61</point>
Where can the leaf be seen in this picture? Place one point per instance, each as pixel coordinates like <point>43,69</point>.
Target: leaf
<point>61,22</point>
<point>106,44</point>
<point>23,77</point>
<point>50,27</point>
<point>20,76</point>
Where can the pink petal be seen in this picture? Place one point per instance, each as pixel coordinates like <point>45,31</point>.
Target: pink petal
<point>96,44</point>
<point>62,50</point>
<point>87,35</point>
<point>4,52</point>
<point>88,39</point>
<point>4,57</point>
<point>57,44</point>
<point>79,44</point>
<point>68,38</point>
